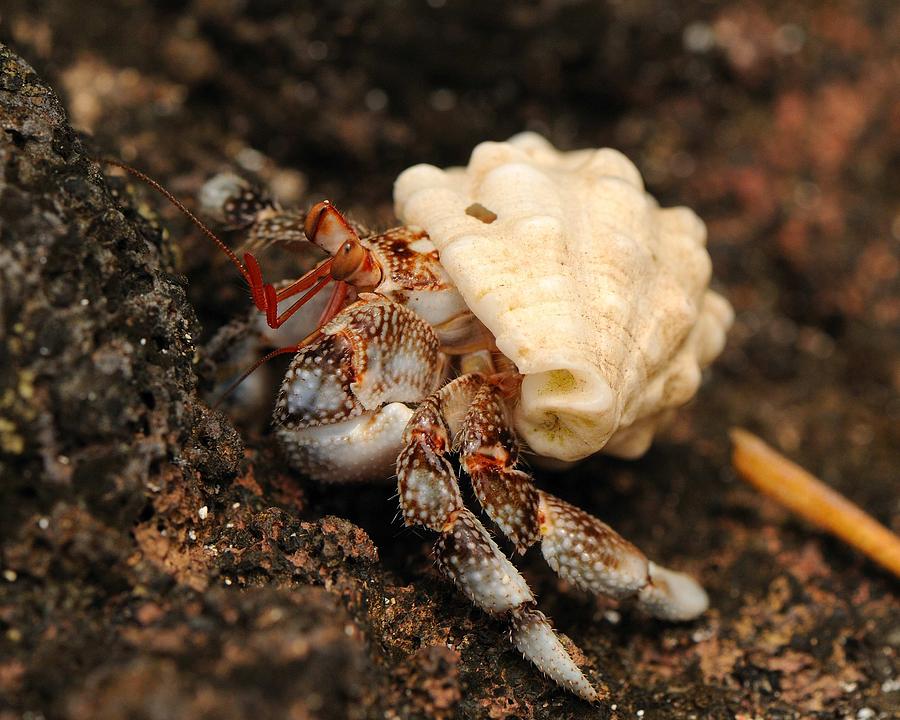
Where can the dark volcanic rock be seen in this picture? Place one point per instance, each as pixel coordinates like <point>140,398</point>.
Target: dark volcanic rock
<point>102,449</point>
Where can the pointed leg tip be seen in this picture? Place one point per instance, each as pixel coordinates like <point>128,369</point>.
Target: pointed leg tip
<point>536,639</point>
<point>586,691</point>
<point>672,595</point>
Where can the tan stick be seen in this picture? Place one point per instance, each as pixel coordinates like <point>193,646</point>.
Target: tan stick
<point>792,486</point>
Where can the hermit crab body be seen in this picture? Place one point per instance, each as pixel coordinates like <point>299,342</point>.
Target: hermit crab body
<point>532,297</point>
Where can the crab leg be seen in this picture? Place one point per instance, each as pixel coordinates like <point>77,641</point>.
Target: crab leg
<point>465,552</point>
<point>236,204</point>
<point>580,548</point>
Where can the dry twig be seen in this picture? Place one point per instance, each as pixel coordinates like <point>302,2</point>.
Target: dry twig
<point>795,488</point>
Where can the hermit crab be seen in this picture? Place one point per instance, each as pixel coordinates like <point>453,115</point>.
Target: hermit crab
<point>534,299</point>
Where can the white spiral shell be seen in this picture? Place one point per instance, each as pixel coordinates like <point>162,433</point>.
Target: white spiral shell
<point>599,296</point>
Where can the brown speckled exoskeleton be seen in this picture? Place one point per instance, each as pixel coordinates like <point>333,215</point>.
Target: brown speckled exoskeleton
<point>395,374</point>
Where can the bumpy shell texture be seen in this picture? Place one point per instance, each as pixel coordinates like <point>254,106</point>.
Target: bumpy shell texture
<point>599,296</point>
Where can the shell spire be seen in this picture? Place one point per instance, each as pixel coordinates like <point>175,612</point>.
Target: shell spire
<point>599,296</point>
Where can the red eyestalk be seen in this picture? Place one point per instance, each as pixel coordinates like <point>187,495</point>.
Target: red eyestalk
<point>351,264</point>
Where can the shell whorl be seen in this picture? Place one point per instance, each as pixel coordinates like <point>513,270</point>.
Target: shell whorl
<point>598,295</point>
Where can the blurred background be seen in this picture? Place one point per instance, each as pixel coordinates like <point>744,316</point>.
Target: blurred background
<point>779,123</point>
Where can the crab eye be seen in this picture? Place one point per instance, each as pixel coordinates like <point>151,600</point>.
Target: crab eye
<point>349,257</point>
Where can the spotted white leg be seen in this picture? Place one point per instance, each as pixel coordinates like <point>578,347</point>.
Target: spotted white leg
<point>578,546</point>
<point>488,453</point>
<point>465,552</point>
<point>591,555</point>
<point>234,202</point>
<point>340,412</point>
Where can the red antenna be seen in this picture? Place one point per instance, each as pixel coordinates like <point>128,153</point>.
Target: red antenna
<point>264,295</point>
<point>193,218</point>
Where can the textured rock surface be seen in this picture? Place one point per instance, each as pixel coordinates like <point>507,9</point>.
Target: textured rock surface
<point>119,598</point>
<point>107,459</point>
